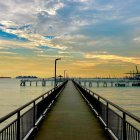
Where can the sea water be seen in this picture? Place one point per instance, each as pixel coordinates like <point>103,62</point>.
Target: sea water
<point>13,96</point>
<point>127,98</point>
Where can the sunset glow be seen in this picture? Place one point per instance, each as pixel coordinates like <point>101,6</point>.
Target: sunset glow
<point>93,38</point>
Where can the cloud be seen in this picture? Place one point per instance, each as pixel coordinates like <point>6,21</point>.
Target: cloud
<point>10,36</point>
<point>54,56</point>
<point>137,39</point>
<point>7,23</point>
<point>50,7</point>
<point>108,57</point>
<point>83,43</point>
<point>17,10</point>
<point>43,14</point>
<point>85,63</point>
<point>73,29</point>
<point>133,20</point>
<point>10,31</point>
<point>66,52</point>
<point>11,53</point>
<point>16,44</point>
<point>8,58</point>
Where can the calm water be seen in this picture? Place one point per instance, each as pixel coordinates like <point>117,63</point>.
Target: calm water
<point>13,96</point>
<point>126,97</point>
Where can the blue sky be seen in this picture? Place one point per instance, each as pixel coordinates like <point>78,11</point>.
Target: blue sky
<point>96,37</point>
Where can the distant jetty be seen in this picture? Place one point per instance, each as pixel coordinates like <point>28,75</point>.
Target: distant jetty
<point>27,77</point>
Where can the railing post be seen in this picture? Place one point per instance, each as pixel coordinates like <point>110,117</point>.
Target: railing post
<point>99,111</point>
<point>18,125</point>
<point>124,127</point>
<point>107,116</point>
<point>34,116</point>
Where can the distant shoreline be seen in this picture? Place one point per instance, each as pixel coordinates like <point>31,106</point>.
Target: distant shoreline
<point>5,77</point>
<point>22,77</point>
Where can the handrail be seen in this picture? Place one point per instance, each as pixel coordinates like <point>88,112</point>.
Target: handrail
<point>115,123</point>
<point>114,105</point>
<point>25,123</point>
<point>25,105</point>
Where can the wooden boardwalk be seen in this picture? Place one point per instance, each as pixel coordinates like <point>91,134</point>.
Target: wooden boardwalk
<point>71,119</point>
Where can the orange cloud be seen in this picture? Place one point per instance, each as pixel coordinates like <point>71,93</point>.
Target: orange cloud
<point>108,57</point>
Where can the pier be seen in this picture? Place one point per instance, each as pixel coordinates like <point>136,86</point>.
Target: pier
<point>71,119</point>
<point>70,111</point>
<point>39,81</point>
<point>108,82</point>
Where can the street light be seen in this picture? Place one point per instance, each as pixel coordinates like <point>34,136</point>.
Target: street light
<point>55,71</point>
<point>64,74</point>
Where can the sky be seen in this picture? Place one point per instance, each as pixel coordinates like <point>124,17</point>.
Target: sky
<point>93,38</point>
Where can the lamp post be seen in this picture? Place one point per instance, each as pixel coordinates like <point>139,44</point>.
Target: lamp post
<point>55,71</point>
<point>64,74</point>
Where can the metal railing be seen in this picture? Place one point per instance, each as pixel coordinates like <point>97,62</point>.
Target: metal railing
<point>28,117</point>
<point>114,118</point>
